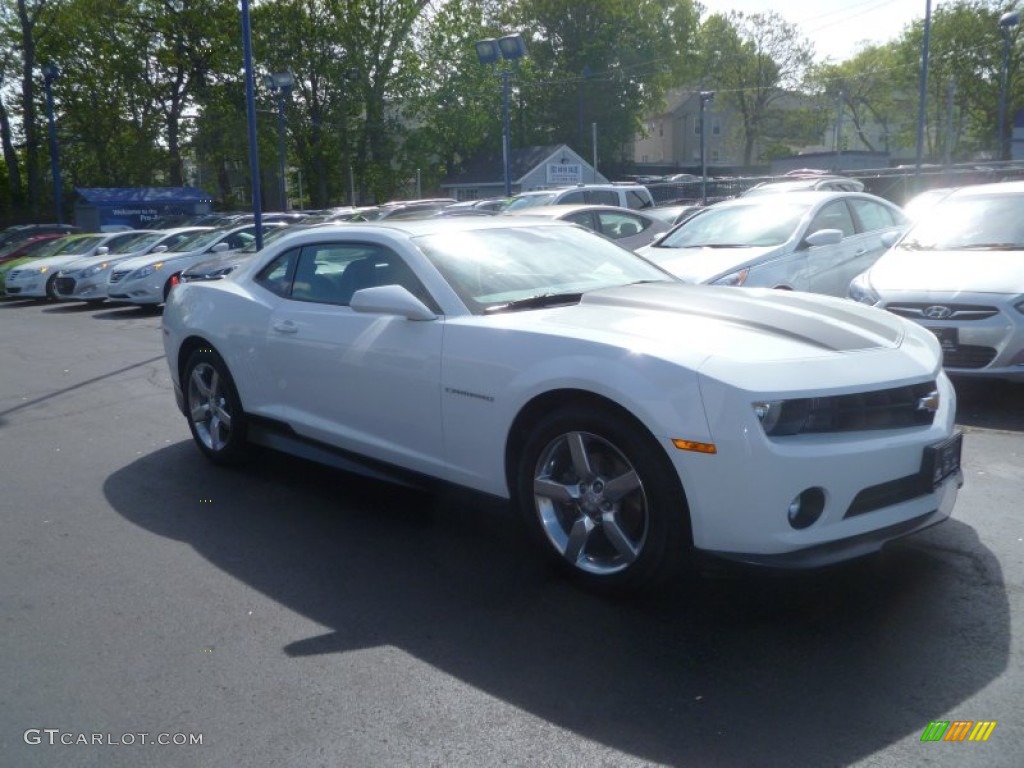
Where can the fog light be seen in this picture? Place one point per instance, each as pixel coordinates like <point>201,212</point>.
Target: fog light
<point>806,508</point>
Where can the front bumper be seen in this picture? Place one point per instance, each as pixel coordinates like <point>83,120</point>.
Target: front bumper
<point>144,291</point>
<point>870,482</point>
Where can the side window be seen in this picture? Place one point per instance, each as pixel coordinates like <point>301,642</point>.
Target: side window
<point>619,225</point>
<point>277,275</point>
<point>572,198</point>
<point>637,200</point>
<point>835,215</point>
<point>602,197</point>
<point>583,218</point>
<point>330,273</point>
<point>872,216</point>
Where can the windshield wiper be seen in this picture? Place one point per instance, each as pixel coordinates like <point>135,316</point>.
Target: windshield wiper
<point>914,245</point>
<point>536,302</point>
<point>988,247</point>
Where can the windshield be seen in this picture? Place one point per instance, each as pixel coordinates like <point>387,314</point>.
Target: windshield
<point>80,245</point>
<point>492,267</point>
<point>141,241</point>
<point>981,222</point>
<point>179,239</point>
<point>529,201</point>
<point>734,226</point>
<point>199,240</point>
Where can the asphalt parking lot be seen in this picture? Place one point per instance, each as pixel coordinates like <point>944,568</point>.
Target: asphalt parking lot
<point>288,614</point>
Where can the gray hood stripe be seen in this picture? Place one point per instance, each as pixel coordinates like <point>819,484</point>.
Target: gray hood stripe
<point>816,321</point>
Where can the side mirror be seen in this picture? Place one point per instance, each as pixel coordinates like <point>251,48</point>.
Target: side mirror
<point>102,251</point>
<point>159,249</point>
<point>390,300</point>
<point>889,239</point>
<point>824,237</point>
<point>220,248</point>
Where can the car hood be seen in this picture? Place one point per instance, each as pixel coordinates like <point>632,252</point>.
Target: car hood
<point>50,262</point>
<point>137,262</point>
<point>970,271</point>
<point>88,261</point>
<point>755,339</point>
<point>699,265</point>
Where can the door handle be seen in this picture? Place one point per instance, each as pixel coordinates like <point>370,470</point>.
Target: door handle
<point>286,326</point>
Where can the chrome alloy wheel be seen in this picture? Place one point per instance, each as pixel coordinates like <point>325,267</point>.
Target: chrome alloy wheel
<point>209,407</point>
<point>591,503</point>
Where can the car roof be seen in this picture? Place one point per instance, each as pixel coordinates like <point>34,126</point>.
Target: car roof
<point>807,197</point>
<point>995,188</point>
<point>430,226</point>
<point>563,210</point>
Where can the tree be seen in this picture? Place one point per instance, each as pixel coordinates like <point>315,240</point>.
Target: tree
<point>608,62</point>
<point>752,61</point>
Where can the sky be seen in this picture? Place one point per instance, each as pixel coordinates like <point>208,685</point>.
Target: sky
<point>835,27</point>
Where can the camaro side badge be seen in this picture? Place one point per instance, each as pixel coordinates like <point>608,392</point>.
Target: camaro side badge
<point>929,402</point>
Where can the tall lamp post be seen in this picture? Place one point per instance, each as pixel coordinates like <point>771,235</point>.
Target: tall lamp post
<point>280,83</point>
<point>1007,20</point>
<point>922,101</point>
<point>51,73</point>
<point>511,48</point>
<point>706,97</point>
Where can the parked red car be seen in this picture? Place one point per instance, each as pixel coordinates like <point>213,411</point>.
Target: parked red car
<point>30,246</point>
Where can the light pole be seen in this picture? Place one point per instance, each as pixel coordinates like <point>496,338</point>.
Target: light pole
<point>511,48</point>
<point>280,83</point>
<point>1007,20</point>
<point>923,97</point>
<point>51,73</point>
<point>350,76</point>
<point>706,97</point>
<point>250,121</point>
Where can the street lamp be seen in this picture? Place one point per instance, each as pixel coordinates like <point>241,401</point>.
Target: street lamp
<point>706,97</point>
<point>51,73</point>
<point>510,48</point>
<point>922,101</point>
<point>1007,20</point>
<point>350,76</point>
<point>281,84</point>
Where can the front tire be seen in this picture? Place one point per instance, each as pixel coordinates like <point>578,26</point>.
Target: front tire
<point>603,499</point>
<point>214,411</point>
<point>51,289</point>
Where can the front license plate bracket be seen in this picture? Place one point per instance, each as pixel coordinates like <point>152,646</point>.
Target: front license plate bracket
<point>941,460</point>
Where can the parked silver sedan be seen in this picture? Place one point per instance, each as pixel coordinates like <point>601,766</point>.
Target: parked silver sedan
<point>960,273</point>
<point>802,241</point>
<point>630,229</point>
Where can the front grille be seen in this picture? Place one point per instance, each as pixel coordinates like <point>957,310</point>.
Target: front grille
<point>65,285</point>
<point>12,291</point>
<point>881,409</point>
<point>14,273</point>
<point>920,311</point>
<point>118,275</point>
<point>968,356</point>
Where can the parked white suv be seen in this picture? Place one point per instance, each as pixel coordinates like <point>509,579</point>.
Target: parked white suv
<point>635,196</point>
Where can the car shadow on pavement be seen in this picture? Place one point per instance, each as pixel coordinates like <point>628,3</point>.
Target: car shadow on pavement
<point>732,667</point>
<point>990,404</point>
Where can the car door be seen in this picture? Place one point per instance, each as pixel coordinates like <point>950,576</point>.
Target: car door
<point>873,219</point>
<point>364,382</point>
<point>824,265</point>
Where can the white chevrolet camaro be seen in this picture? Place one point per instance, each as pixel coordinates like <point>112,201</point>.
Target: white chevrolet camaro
<point>631,418</point>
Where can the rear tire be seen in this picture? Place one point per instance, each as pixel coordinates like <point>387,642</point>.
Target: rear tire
<point>602,499</point>
<point>214,411</point>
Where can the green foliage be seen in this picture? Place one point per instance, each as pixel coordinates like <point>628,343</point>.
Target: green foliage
<point>752,61</point>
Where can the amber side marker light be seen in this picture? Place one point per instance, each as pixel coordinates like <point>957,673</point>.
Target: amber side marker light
<point>690,445</point>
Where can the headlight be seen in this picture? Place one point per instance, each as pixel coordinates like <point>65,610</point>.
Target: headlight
<point>736,278</point>
<point>42,270</point>
<point>138,274</point>
<point>860,290</point>
<point>95,269</point>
